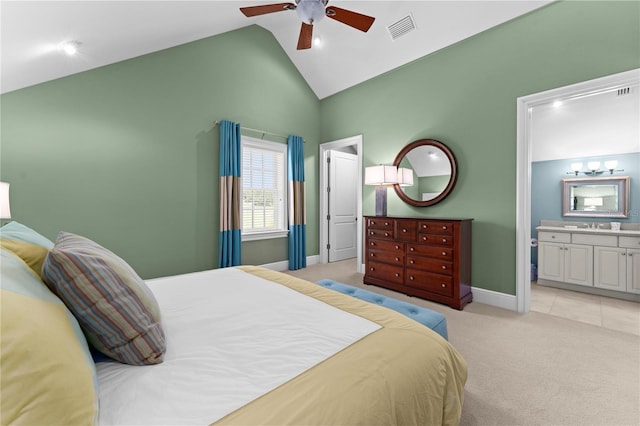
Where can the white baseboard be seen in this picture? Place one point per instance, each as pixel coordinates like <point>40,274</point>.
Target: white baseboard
<point>494,298</point>
<point>284,264</point>
<point>480,295</point>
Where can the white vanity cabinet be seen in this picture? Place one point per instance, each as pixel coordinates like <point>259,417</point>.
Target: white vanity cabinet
<point>607,262</point>
<point>632,244</point>
<point>559,260</point>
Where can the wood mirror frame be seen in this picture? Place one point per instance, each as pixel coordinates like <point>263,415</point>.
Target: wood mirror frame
<point>452,178</point>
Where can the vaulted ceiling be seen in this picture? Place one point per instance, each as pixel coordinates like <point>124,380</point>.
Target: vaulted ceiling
<point>112,31</point>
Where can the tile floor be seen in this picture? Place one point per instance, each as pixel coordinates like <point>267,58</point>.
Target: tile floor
<point>616,314</point>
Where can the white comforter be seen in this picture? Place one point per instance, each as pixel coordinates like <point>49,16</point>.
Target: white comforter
<point>231,337</point>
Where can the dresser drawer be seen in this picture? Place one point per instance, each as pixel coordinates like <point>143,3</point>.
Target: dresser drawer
<point>392,273</point>
<point>429,281</point>
<point>393,257</point>
<point>380,223</point>
<point>430,264</point>
<point>435,239</point>
<point>433,226</point>
<point>390,246</point>
<point>406,230</point>
<point>437,252</point>
<point>629,242</point>
<point>386,234</point>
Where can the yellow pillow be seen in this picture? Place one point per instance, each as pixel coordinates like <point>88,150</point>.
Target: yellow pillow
<point>48,375</point>
<point>32,254</point>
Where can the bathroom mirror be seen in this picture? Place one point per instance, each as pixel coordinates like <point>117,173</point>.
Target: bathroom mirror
<point>595,197</point>
<point>434,172</point>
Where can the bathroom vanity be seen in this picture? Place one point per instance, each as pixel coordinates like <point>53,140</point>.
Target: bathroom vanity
<point>594,260</point>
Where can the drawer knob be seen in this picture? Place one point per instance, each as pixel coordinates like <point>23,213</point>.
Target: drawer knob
<point>444,253</point>
<point>386,223</point>
<point>397,274</point>
<point>444,267</point>
<point>412,261</point>
<point>411,278</point>
<point>372,255</point>
<point>444,240</point>
<point>397,247</point>
<point>372,233</point>
<point>412,249</point>
<point>553,237</point>
<point>397,259</point>
<point>424,226</point>
<point>372,269</point>
<point>404,229</point>
<point>386,234</point>
<point>443,285</point>
<point>372,243</point>
<point>424,238</point>
<point>444,227</point>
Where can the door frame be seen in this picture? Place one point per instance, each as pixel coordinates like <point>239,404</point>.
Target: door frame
<point>356,142</point>
<point>523,166</point>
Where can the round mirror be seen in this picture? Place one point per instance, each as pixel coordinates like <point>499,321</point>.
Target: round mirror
<point>428,170</point>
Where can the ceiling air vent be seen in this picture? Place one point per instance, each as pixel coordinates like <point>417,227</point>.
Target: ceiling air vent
<point>625,91</point>
<point>402,27</point>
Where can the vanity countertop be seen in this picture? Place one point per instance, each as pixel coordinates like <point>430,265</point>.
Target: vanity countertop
<point>623,232</point>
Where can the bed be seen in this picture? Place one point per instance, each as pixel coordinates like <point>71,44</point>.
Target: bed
<point>241,346</point>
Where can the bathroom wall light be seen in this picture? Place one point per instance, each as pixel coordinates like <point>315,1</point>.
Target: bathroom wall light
<point>593,168</point>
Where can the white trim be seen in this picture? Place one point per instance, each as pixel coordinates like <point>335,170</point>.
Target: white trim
<point>283,265</point>
<point>494,298</point>
<point>279,148</point>
<point>266,235</point>
<point>322,179</point>
<point>523,166</point>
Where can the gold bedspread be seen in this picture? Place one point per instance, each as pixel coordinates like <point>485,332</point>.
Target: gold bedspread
<point>402,374</point>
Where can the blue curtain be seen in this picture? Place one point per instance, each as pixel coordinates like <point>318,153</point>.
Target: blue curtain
<point>229,244</point>
<point>297,205</point>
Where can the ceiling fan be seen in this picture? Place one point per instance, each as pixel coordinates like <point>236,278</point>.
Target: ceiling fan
<point>310,12</point>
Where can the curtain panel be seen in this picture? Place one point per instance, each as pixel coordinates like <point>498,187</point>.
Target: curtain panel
<point>230,239</point>
<point>297,205</point>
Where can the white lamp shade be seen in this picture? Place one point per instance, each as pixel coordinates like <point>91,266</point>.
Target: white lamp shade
<point>576,167</point>
<point>380,175</point>
<point>5,209</point>
<point>611,164</point>
<point>405,177</point>
<point>593,165</point>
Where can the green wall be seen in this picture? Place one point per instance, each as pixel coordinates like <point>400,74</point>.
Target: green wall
<point>465,96</point>
<point>127,154</point>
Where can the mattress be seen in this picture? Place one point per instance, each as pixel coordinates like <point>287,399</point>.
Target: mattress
<point>248,345</point>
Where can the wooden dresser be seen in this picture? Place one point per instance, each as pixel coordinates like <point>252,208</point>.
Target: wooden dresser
<point>427,258</point>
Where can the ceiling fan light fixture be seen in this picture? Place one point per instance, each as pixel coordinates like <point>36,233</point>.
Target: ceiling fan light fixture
<point>310,11</point>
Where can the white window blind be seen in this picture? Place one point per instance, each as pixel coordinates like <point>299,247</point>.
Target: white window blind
<point>263,189</point>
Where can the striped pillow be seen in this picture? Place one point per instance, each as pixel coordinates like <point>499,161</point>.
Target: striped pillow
<point>114,307</point>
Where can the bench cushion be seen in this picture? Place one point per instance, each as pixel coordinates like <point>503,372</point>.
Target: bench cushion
<point>432,319</point>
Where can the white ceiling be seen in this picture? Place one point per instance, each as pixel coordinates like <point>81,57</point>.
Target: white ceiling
<point>112,31</point>
<point>597,124</point>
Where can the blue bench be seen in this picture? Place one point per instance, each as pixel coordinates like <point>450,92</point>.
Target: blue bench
<point>432,319</point>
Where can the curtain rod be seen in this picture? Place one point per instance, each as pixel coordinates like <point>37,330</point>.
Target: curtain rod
<point>264,132</point>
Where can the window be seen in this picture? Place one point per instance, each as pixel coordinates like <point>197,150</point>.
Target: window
<point>264,186</point>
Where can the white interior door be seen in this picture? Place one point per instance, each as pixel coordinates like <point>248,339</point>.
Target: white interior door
<point>343,203</point>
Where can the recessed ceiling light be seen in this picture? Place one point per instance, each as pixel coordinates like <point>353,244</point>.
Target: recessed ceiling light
<point>70,47</point>
<point>317,42</point>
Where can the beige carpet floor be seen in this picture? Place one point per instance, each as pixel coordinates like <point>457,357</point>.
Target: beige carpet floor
<point>530,369</point>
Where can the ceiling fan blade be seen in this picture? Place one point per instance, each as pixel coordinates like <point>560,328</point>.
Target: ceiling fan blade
<point>306,32</point>
<point>353,19</point>
<point>267,8</point>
